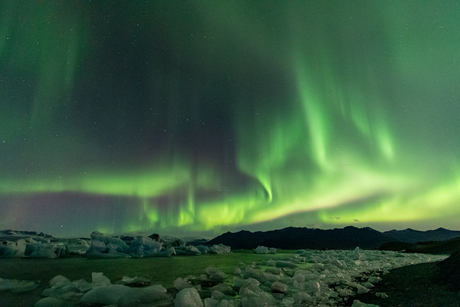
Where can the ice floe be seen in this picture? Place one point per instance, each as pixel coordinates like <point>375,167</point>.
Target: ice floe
<point>17,286</point>
<point>265,250</point>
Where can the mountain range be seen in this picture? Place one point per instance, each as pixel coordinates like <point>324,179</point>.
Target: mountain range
<point>338,238</point>
<point>413,236</point>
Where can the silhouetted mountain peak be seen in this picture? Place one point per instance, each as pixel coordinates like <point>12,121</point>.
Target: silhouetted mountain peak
<point>413,236</point>
<point>295,238</point>
<point>348,237</point>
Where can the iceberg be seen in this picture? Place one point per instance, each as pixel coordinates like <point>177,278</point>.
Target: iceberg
<point>188,250</point>
<point>50,302</point>
<point>220,249</point>
<point>13,248</point>
<point>215,274</point>
<point>265,250</point>
<point>202,248</point>
<point>188,297</point>
<point>135,281</point>
<point>76,246</point>
<point>180,284</point>
<point>104,295</point>
<point>46,250</point>
<point>150,296</point>
<point>279,287</point>
<point>106,247</point>
<point>144,247</point>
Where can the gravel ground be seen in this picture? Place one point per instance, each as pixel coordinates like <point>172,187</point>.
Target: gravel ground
<point>413,286</point>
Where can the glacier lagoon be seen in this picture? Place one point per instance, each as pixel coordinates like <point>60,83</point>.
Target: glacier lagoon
<point>287,278</point>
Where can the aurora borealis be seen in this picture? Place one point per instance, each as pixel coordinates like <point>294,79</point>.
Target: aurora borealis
<point>201,117</point>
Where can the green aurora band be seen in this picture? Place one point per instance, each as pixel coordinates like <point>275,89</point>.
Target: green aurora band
<point>216,116</point>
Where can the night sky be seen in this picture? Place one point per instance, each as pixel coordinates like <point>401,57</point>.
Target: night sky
<point>201,117</point>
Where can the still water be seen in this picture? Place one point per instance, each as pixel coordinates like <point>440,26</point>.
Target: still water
<point>161,271</point>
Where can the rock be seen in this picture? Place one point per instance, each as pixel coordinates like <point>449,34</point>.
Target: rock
<point>449,270</point>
